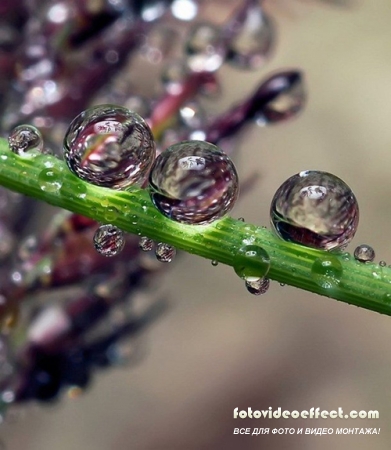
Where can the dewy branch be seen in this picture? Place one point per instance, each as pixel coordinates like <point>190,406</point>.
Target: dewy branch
<point>335,274</point>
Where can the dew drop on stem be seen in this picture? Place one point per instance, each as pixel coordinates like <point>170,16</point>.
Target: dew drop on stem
<point>193,182</point>
<point>109,240</point>
<point>364,253</point>
<point>110,146</point>
<point>315,209</point>
<point>24,138</point>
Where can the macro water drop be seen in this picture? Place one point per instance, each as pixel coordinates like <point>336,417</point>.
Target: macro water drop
<point>327,271</point>
<point>316,209</point>
<point>251,262</point>
<point>109,240</point>
<point>258,287</point>
<point>165,252</point>
<point>24,138</point>
<point>50,180</point>
<point>364,253</point>
<point>145,244</point>
<point>193,182</point>
<point>109,146</point>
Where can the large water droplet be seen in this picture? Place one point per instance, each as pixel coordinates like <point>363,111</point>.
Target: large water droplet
<point>316,209</point>
<point>258,287</point>
<point>327,271</point>
<point>109,146</point>
<point>109,240</point>
<point>251,263</point>
<point>280,97</point>
<point>50,180</point>
<point>24,138</point>
<point>165,252</point>
<point>205,48</point>
<point>193,182</point>
<point>252,45</point>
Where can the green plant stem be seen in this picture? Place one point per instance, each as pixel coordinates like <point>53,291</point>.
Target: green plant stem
<point>364,285</point>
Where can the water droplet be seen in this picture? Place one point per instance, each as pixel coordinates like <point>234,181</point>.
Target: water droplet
<point>50,180</point>
<point>364,253</point>
<point>109,146</point>
<point>327,271</point>
<point>109,240</point>
<point>382,264</point>
<point>346,256</point>
<point>192,115</point>
<point>214,263</point>
<point>258,287</point>
<point>27,248</point>
<point>165,252</point>
<point>279,98</point>
<point>253,43</point>
<point>251,263</point>
<point>282,284</point>
<point>145,244</point>
<point>205,48</point>
<point>24,138</point>
<point>80,190</point>
<point>316,209</point>
<point>241,219</point>
<point>193,182</point>
<point>111,213</point>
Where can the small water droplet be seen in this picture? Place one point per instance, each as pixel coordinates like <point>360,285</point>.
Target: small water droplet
<point>109,146</point>
<point>346,256</point>
<point>109,240</point>
<point>193,182</point>
<point>258,287</point>
<point>50,180</point>
<point>364,253</point>
<point>241,219</point>
<point>251,263</point>
<point>145,244</point>
<point>282,284</point>
<point>205,48</point>
<point>24,138</point>
<point>327,271</point>
<point>111,213</point>
<point>165,252</point>
<point>80,191</point>
<point>382,264</point>
<point>316,209</point>
<point>214,263</point>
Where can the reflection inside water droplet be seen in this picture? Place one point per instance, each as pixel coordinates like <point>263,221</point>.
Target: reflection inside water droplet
<point>251,263</point>
<point>327,271</point>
